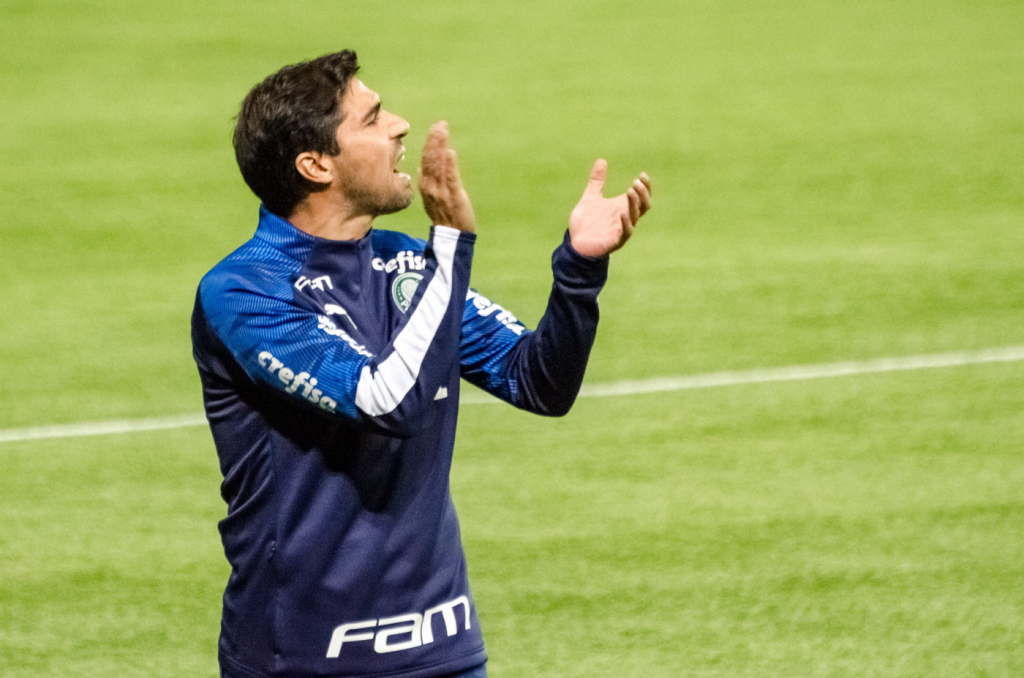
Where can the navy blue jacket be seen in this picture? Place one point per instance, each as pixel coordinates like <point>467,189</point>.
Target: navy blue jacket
<point>330,374</point>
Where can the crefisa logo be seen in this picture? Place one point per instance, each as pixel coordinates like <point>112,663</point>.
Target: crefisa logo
<point>294,382</point>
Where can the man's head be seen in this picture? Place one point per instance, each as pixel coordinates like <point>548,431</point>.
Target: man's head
<point>314,127</point>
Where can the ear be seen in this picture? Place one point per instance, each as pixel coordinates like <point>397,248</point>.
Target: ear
<point>311,165</point>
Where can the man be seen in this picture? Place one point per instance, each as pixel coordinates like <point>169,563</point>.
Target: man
<point>330,355</point>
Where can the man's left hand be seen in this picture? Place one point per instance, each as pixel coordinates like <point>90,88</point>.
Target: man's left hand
<point>598,225</point>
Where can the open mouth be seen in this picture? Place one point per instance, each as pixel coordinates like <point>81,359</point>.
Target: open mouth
<point>401,157</point>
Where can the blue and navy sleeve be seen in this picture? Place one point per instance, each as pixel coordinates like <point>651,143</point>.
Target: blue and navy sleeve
<point>539,371</point>
<point>311,359</point>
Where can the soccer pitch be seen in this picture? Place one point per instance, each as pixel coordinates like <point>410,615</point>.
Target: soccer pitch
<point>833,181</point>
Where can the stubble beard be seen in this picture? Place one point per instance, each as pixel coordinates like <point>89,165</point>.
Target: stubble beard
<point>379,200</point>
<point>393,203</point>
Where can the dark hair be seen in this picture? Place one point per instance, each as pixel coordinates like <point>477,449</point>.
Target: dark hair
<point>295,110</point>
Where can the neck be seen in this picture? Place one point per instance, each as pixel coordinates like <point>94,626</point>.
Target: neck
<point>327,216</point>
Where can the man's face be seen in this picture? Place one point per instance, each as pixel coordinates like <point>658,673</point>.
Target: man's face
<point>370,142</point>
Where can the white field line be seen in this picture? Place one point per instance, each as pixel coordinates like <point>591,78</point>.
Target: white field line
<point>101,428</point>
<point>618,388</point>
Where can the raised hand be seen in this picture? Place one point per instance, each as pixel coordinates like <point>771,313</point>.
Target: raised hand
<point>598,226</point>
<point>444,199</point>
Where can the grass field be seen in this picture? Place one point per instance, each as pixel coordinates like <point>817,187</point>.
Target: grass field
<point>833,181</point>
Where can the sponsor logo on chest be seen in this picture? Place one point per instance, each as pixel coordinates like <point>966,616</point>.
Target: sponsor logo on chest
<point>315,284</point>
<point>402,262</point>
<point>403,287</point>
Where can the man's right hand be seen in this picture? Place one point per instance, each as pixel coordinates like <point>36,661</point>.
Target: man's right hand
<point>598,226</point>
<point>444,199</point>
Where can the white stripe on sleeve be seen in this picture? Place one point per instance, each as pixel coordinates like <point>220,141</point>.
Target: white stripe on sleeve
<point>381,392</point>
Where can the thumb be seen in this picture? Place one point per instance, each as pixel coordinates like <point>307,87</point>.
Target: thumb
<point>597,177</point>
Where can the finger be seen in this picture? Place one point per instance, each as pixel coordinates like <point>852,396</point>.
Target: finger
<point>440,159</point>
<point>627,228</point>
<point>454,178</point>
<point>433,149</point>
<point>644,194</point>
<point>646,181</point>
<point>438,133</point>
<point>444,170</point>
<point>427,180</point>
<point>634,205</point>
<point>597,176</point>
<point>423,179</point>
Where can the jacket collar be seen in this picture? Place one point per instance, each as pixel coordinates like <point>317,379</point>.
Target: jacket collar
<point>280,234</point>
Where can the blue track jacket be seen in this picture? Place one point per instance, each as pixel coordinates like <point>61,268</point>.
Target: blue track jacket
<point>330,374</point>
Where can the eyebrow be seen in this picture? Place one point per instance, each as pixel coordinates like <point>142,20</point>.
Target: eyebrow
<point>372,113</point>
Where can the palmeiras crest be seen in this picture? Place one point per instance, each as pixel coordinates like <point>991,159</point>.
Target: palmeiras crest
<point>403,289</point>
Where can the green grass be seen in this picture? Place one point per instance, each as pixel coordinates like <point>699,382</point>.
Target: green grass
<point>823,529</point>
<point>832,181</point>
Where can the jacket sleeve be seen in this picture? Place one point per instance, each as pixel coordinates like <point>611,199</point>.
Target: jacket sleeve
<point>539,371</point>
<point>310,359</point>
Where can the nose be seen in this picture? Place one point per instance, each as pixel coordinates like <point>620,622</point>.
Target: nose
<point>400,128</point>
